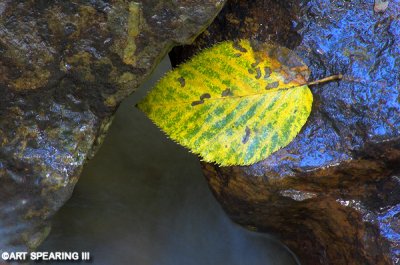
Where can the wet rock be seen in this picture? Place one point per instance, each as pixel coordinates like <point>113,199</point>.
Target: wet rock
<point>333,194</point>
<point>64,68</point>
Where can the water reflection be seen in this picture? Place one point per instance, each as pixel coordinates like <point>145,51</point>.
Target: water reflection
<point>143,200</point>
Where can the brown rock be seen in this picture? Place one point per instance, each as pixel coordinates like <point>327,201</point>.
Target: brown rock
<point>332,195</point>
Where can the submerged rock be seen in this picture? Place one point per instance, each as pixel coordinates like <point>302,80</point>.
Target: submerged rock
<point>333,194</point>
<point>64,68</point>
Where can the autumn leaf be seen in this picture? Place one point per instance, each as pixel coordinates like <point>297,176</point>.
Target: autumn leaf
<point>234,103</point>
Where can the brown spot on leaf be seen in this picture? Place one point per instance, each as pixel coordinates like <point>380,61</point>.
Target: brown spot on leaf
<point>237,54</point>
<point>226,92</point>
<point>182,81</point>
<point>299,69</point>
<point>258,71</point>
<point>287,80</point>
<point>255,63</point>
<point>201,101</point>
<point>246,136</point>
<point>267,71</point>
<point>205,95</point>
<point>288,77</point>
<point>272,85</point>
<point>237,46</point>
<point>251,71</point>
<point>197,102</point>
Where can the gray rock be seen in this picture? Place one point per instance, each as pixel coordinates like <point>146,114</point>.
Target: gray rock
<point>64,68</point>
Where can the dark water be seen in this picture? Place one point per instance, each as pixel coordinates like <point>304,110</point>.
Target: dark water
<point>143,200</point>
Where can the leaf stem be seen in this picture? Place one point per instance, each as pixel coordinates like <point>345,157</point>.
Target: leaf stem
<point>326,79</point>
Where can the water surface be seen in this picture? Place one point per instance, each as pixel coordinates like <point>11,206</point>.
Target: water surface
<point>143,200</point>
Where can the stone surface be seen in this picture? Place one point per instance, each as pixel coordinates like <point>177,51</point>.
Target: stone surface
<point>64,68</point>
<point>333,194</point>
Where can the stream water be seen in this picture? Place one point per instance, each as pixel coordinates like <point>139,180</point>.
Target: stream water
<point>144,201</point>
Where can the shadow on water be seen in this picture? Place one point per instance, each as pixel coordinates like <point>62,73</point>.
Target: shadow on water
<point>143,200</point>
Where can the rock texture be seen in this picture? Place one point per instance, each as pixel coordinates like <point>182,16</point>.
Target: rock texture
<point>333,194</point>
<point>64,68</point>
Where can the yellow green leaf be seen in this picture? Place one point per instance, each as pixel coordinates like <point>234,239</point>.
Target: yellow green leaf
<point>234,103</point>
